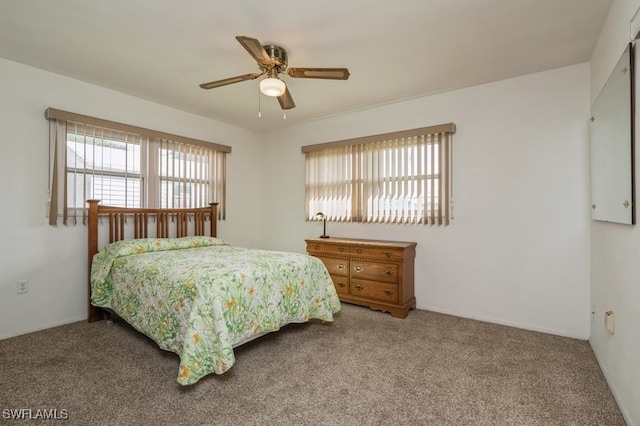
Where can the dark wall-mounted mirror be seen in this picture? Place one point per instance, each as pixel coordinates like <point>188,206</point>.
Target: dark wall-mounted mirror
<point>612,146</point>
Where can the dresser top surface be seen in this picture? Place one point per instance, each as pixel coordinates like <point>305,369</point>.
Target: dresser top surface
<point>358,241</point>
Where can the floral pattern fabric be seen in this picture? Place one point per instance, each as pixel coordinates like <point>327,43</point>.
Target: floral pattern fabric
<point>199,296</point>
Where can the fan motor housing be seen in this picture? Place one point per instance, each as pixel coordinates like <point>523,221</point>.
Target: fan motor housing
<point>278,55</point>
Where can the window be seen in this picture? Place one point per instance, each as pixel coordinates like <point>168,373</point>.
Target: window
<point>127,166</point>
<point>104,165</point>
<point>402,177</point>
<point>187,174</point>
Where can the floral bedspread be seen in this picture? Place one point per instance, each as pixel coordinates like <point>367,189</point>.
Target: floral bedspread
<point>199,296</point>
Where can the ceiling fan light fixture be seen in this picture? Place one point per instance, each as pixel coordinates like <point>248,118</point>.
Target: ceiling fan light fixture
<point>272,86</point>
<point>272,61</point>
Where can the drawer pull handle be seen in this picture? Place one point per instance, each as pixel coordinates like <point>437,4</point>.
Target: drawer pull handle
<point>340,249</point>
<point>357,268</point>
<point>359,251</point>
<point>316,247</point>
<point>388,292</point>
<point>341,284</point>
<point>387,273</point>
<point>358,287</point>
<point>341,266</point>
<point>387,253</point>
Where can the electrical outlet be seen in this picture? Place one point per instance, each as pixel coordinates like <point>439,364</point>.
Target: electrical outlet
<point>23,286</point>
<point>593,312</point>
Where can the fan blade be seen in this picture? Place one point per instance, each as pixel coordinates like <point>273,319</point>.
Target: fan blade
<point>286,101</point>
<point>256,50</point>
<point>325,73</point>
<point>231,80</point>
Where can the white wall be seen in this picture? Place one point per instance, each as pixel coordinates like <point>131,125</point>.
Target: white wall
<point>517,252</point>
<point>615,249</point>
<point>54,259</point>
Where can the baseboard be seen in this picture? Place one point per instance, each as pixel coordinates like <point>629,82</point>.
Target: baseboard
<point>508,323</point>
<point>614,391</point>
<point>44,327</point>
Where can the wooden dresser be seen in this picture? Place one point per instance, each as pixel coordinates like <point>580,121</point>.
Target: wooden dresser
<point>377,274</point>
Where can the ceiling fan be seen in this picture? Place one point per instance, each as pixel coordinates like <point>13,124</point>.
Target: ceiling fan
<point>272,61</point>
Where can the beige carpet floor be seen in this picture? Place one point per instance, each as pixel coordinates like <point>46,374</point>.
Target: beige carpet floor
<point>366,368</point>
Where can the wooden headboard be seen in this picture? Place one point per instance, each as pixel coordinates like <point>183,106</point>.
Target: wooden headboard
<point>168,223</point>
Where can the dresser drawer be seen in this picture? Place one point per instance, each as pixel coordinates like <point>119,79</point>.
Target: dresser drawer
<point>387,272</point>
<point>327,248</point>
<point>336,266</point>
<point>374,290</point>
<point>341,284</point>
<point>376,253</point>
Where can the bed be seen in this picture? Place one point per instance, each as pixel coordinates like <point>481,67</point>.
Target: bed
<point>193,293</point>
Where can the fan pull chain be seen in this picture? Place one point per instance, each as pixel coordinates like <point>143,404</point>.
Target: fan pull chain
<point>259,104</point>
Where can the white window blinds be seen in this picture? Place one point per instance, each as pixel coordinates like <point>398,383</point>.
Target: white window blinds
<point>401,177</point>
<point>127,166</point>
<point>102,164</point>
<point>189,175</point>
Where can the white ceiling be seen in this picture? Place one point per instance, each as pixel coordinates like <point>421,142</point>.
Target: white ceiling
<point>160,50</point>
